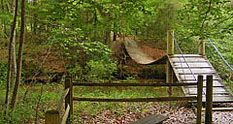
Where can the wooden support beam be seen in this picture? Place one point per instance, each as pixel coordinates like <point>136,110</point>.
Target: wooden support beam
<point>170,51</point>
<point>202,48</point>
<point>209,100</point>
<point>169,76</point>
<point>199,98</point>
<point>170,42</point>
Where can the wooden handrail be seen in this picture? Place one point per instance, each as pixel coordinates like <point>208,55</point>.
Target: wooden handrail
<point>60,103</point>
<point>65,116</point>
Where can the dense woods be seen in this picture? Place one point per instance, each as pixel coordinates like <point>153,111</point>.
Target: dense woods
<point>42,41</point>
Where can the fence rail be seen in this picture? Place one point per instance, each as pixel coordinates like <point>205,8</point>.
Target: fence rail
<point>133,84</point>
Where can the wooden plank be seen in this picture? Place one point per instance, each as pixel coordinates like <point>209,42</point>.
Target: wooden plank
<point>204,85</point>
<point>190,62</point>
<point>152,119</point>
<point>190,65</point>
<point>218,99</point>
<point>198,73</point>
<point>217,90</point>
<point>60,103</point>
<point>223,109</point>
<point>188,77</point>
<point>221,99</point>
<point>133,84</point>
<point>195,71</point>
<point>214,95</point>
<point>65,116</point>
<point>158,99</point>
<point>189,80</point>
<point>186,55</point>
<point>187,59</point>
<point>215,83</point>
<point>205,67</point>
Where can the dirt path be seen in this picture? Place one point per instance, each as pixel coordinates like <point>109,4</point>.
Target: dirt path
<point>178,115</point>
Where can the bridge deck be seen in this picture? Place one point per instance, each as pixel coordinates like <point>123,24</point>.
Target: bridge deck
<point>199,66</point>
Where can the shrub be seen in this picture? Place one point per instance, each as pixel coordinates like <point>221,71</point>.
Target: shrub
<point>3,73</point>
<point>100,70</point>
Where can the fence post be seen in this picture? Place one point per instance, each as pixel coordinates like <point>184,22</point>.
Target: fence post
<point>199,98</point>
<point>170,51</point>
<point>170,42</point>
<point>202,48</point>
<point>209,99</point>
<point>69,96</point>
<point>52,117</point>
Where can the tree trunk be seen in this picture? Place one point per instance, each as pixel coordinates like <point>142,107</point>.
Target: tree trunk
<point>20,55</point>
<point>95,25</point>
<point>13,59</point>
<point>114,33</point>
<point>107,38</point>
<point>9,55</point>
<point>34,18</point>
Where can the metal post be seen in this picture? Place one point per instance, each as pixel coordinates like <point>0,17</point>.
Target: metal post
<point>209,99</point>
<point>199,98</point>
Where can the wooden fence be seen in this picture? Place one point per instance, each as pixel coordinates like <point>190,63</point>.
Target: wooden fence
<point>54,116</point>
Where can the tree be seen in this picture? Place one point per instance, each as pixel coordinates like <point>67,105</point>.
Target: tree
<point>20,56</point>
<point>10,58</point>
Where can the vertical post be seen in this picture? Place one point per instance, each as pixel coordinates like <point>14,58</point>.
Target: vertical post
<point>52,117</point>
<point>199,98</point>
<point>170,42</point>
<point>202,48</point>
<point>69,96</point>
<point>170,51</point>
<point>169,77</point>
<point>209,99</point>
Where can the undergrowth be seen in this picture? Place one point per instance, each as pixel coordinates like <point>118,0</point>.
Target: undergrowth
<point>48,96</point>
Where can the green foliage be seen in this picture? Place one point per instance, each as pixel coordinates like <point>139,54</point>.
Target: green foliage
<point>199,20</point>
<point>3,73</point>
<point>28,103</point>
<point>95,62</point>
<point>100,70</point>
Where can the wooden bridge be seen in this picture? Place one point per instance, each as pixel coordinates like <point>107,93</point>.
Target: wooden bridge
<point>199,65</point>
<point>186,68</point>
